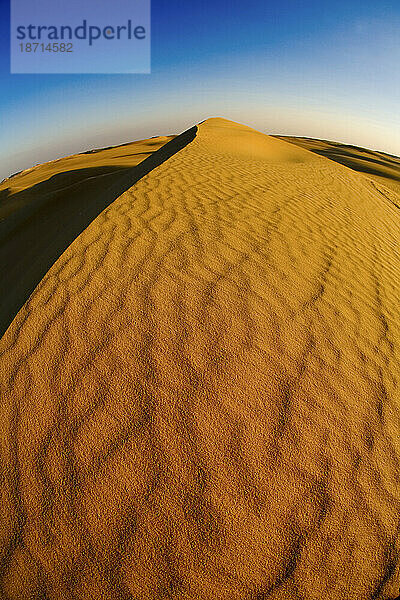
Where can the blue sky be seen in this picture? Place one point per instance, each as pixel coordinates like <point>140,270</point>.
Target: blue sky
<point>301,67</point>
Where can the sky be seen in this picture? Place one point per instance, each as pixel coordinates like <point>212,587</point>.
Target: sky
<point>320,69</point>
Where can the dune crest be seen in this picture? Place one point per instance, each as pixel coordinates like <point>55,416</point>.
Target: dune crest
<point>45,208</point>
<point>200,400</point>
<point>243,142</point>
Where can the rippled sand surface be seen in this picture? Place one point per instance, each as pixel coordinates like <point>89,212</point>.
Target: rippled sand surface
<point>200,400</point>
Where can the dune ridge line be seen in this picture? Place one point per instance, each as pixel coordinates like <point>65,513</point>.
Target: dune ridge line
<point>43,220</point>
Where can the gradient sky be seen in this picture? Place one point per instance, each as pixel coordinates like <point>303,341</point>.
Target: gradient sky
<point>297,67</point>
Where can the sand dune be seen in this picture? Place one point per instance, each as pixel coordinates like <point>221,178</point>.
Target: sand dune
<point>125,155</point>
<point>42,210</point>
<point>200,400</point>
<point>377,166</point>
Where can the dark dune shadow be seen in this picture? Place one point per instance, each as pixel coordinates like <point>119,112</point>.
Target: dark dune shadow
<point>15,208</point>
<point>39,223</point>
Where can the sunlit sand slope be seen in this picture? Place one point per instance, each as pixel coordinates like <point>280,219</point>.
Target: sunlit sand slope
<point>200,401</point>
<point>43,209</point>
<point>378,166</point>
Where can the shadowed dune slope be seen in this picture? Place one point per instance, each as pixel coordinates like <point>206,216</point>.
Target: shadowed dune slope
<point>200,400</point>
<point>378,166</point>
<point>42,210</point>
<point>124,155</point>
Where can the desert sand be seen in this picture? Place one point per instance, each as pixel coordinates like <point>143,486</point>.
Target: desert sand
<point>124,155</point>
<point>43,209</point>
<point>200,399</point>
<point>378,166</point>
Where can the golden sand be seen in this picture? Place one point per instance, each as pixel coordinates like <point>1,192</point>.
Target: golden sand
<point>200,400</point>
<point>377,166</point>
<point>125,155</point>
<point>43,209</point>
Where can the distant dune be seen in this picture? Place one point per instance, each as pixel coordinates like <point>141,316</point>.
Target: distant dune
<point>377,166</point>
<point>200,398</point>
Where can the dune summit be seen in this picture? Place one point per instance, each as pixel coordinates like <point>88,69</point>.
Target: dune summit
<point>200,399</point>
